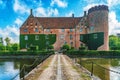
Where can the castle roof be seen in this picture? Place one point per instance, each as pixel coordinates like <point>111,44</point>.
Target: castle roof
<point>58,22</point>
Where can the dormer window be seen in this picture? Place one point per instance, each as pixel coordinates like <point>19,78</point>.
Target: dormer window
<point>25,30</point>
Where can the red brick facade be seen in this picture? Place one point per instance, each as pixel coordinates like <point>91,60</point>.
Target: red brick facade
<point>67,29</point>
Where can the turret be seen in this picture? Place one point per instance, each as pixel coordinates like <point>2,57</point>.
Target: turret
<point>98,22</point>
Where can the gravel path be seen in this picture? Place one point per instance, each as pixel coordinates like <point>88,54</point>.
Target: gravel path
<point>48,73</point>
<point>69,70</point>
<point>60,67</point>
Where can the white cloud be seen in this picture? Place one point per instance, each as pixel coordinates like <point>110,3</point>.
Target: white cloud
<point>20,7</point>
<point>69,14</point>
<point>59,3</point>
<point>86,8</point>
<point>40,11</point>
<point>112,3</point>
<point>18,22</point>
<point>114,24</point>
<point>12,32</point>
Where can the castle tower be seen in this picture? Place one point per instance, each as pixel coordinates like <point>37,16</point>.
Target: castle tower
<point>98,22</point>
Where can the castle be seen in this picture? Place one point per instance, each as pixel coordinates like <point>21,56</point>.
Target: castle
<point>90,30</point>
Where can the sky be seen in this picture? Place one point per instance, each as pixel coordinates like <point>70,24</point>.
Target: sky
<point>14,12</point>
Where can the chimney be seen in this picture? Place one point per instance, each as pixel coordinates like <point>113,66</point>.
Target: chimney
<point>30,11</point>
<point>73,15</point>
<point>85,13</point>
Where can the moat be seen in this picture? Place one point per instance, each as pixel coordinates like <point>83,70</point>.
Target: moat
<point>11,67</point>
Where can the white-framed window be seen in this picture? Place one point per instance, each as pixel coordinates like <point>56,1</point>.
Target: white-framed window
<point>36,29</point>
<point>95,36</point>
<point>25,30</point>
<point>81,29</point>
<point>71,43</point>
<point>91,28</point>
<point>81,37</point>
<point>36,37</point>
<point>71,37</point>
<point>71,30</point>
<point>47,42</point>
<point>26,37</point>
<point>62,36</point>
<point>63,30</point>
<point>65,42</point>
<point>47,30</point>
<point>46,37</point>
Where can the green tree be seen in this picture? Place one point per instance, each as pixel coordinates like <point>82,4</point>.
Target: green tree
<point>66,47</point>
<point>7,40</point>
<point>114,42</point>
<point>50,47</point>
<point>2,47</point>
<point>15,47</point>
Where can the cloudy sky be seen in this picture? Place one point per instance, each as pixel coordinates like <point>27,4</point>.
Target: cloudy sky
<point>14,12</point>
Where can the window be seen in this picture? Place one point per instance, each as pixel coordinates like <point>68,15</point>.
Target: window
<point>81,37</point>
<point>62,36</point>
<point>95,36</point>
<point>25,30</point>
<point>81,29</point>
<point>91,28</point>
<point>36,37</point>
<point>71,37</point>
<point>71,43</point>
<point>48,30</point>
<point>46,37</point>
<point>47,42</point>
<point>63,30</point>
<point>65,42</point>
<point>71,30</point>
<point>26,37</point>
<point>36,29</point>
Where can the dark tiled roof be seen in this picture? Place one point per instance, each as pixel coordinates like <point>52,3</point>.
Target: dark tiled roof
<point>58,22</point>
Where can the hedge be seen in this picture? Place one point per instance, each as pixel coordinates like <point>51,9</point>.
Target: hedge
<point>17,53</point>
<point>93,53</point>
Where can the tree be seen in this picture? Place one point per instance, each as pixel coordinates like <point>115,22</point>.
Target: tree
<point>50,47</point>
<point>15,47</point>
<point>7,40</point>
<point>114,42</point>
<point>2,47</point>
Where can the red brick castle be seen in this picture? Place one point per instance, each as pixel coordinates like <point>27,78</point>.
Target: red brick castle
<point>69,30</point>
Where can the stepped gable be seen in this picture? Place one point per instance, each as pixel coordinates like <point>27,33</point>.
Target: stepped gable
<point>58,22</point>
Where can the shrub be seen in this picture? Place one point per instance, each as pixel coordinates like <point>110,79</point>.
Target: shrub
<point>65,47</point>
<point>82,48</point>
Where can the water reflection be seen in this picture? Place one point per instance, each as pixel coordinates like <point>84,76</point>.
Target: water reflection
<point>7,71</point>
<point>104,74</point>
<point>10,68</point>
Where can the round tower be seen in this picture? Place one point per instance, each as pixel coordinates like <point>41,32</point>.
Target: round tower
<point>98,22</point>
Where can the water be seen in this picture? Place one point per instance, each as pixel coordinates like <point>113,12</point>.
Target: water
<point>98,70</point>
<point>9,68</point>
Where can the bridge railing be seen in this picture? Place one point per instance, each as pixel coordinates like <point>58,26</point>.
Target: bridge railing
<point>24,68</point>
<point>103,72</point>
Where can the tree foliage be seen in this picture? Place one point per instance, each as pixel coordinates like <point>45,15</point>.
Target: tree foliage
<point>114,42</point>
<point>66,47</point>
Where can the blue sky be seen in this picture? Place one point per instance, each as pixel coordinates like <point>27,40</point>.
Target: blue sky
<point>14,12</point>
